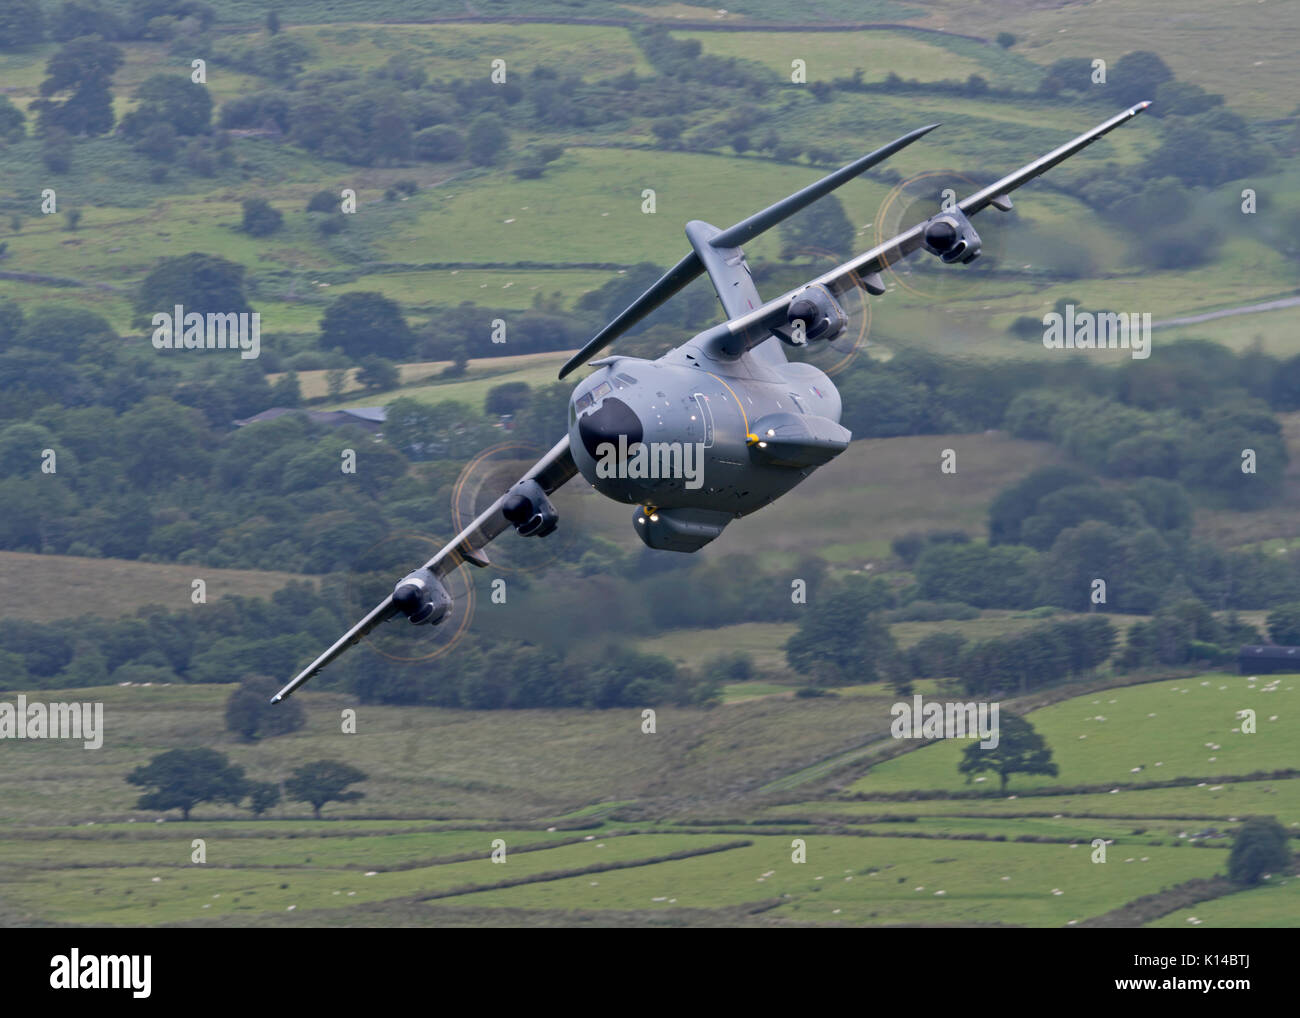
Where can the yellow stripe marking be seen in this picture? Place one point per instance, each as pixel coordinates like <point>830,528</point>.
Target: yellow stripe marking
<point>749,438</point>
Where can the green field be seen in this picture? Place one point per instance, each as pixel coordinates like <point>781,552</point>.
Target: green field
<point>837,883</point>
<point>513,290</point>
<point>1153,732</point>
<point>1210,43</point>
<point>420,380</point>
<point>456,51</point>
<point>765,642</point>
<point>427,849</point>
<point>485,374</point>
<point>839,54</point>
<point>1193,801</point>
<point>1275,905</point>
<point>141,895</point>
<point>438,763</point>
<point>36,586</point>
<point>587,206</point>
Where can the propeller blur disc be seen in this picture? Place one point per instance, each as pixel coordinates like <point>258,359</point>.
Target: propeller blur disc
<point>922,275</point>
<point>834,356</point>
<point>372,579</point>
<point>487,477</point>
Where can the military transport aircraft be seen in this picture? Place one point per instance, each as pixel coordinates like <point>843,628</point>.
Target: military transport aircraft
<point>722,425</point>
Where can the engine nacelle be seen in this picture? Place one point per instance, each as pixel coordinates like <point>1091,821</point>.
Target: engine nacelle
<point>951,236</point>
<point>815,315</point>
<point>422,598</point>
<point>529,510</point>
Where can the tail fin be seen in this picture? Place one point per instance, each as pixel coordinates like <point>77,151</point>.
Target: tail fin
<point>690,267</point>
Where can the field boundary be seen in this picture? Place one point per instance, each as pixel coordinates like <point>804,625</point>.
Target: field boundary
<point>1149,907</point>
<point>541,878</point>
<point>1053,791</point>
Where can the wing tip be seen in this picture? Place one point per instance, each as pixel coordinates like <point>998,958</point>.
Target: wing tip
<point>900,143</point>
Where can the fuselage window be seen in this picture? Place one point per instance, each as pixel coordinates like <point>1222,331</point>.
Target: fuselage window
<point>706,418</point>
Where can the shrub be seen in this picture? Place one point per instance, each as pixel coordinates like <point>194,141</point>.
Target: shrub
<point>251,716</point>
<point>323,201</point>
<point>1260,847</point>
<point>260,218</point>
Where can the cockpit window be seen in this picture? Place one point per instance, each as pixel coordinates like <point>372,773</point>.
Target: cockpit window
<point>626,378</point>
<point>588,398</point>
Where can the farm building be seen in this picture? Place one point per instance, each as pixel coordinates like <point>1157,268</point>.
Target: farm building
<point>1258,658</point>
<point>370,418</point>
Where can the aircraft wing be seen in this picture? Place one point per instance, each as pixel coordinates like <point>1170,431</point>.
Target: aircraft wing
<point>748,330</point>
<point>550,472</point>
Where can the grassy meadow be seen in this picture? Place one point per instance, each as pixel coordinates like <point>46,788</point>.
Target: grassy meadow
<point>600,841</point>
<point>1153,732</point>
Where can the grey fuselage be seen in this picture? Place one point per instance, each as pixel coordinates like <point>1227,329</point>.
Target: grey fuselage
<point>685,398</point>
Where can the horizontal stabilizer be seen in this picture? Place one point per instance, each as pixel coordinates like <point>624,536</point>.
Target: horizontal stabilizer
<point>748,229</point>
<point>690,267</point>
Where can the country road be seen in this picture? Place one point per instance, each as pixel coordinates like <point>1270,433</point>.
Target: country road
<point>1245,309</point>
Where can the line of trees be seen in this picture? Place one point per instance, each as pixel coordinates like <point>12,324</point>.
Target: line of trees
<point>1038,656</point>
<point>244,639</point>
<point>1062,537</point>
<point>24,23</point>
<point>183,779</point>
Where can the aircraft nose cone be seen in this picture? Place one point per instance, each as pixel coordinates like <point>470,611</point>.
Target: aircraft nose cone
<point>611,419</point>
